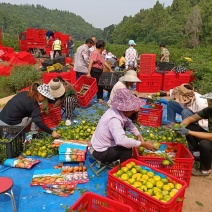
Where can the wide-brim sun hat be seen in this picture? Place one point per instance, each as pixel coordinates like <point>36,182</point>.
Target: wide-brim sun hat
<point>45,91</point>
<point>131,42</point>
<point>125,100</point>
<point>130,76</point>
<point>57,88</point>
<point>207,96</point>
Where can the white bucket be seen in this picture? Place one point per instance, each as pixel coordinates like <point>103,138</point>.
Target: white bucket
<point>51,54</point>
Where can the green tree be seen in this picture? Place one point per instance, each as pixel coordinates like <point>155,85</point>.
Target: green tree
<point>193,26</point>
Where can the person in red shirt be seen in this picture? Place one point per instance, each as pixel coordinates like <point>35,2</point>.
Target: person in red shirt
<point>96,66</point>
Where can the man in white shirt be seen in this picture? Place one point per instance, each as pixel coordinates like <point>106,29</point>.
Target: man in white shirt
<point>131,55</point>
<point>82,58</point>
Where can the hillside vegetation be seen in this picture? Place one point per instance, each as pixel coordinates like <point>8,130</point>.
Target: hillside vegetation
<point>186,23</point>
<point>185,27</point>
<point>16,18</point>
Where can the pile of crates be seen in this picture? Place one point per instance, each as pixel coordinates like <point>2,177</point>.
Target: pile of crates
<point>154,82</point>
<point>69,76</point>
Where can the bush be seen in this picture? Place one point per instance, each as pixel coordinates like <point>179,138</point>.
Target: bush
<point>5,90</point>
<point>23,76</point>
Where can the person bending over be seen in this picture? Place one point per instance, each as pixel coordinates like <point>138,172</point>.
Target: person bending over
<point>65,96</point>
<point>24,108</point>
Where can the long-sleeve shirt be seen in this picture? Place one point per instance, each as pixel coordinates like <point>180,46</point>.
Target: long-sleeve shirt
<point>131,57</point>
<point>110,131</point>
<point>82,59</point>
<point>21,106</point>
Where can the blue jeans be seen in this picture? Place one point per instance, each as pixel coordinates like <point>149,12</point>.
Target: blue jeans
<point>173,108</point>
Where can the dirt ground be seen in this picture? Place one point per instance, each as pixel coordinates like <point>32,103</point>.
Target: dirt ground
<point>199,190</point>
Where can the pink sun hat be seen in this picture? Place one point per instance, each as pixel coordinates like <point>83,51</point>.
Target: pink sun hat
<point>125,100</point>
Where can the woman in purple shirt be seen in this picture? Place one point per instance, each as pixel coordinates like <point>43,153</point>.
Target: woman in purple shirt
<point>109,141</point>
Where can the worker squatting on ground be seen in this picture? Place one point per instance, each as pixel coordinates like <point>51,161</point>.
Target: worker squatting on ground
<point>186,102</point>
<point>199,139</point>
<point>109,141</point>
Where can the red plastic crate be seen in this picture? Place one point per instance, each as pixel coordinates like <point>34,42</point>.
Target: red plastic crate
<point>147,63</point>
<point>172,80</point>
<point>25,89</point>
<point>150,83</point>
<point>5,70</point>
<point>148,116</point>
<point>140,201</point>
<point>192,76</point>
<point>94,203</point>
<point>89,94</point>
<point>181,168</point>
<point>52,118</point>
<point>68,76</point>
<point>68,60</point>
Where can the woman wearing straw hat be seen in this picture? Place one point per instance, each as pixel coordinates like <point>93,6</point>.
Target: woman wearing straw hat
<point>109,141</point>
<point>66,96</point>
<point>199,139</point>
<point>24,108</point>
<point>126,81</point>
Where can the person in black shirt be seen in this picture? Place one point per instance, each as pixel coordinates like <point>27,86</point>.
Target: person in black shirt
<point>200,139</point>
<point>24,108</point>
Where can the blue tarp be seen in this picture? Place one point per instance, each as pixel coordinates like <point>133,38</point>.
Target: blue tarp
<point>30,199</point>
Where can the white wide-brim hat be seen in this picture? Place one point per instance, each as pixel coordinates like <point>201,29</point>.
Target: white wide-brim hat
<point>130,76</point>
<point>57,88</point>
<point>207,96</point>
<point>45,91</point>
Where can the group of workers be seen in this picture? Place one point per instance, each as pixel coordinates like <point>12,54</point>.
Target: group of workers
<point>109,141</point>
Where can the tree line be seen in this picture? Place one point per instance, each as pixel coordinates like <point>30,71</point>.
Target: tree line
<point>185,23</point>
<point>17,18</point>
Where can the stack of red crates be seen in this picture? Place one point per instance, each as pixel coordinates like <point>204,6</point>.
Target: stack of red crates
<point>69,76</point>
<point>151,81</point>
<point>172,80</point>
<point>147,63</point>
